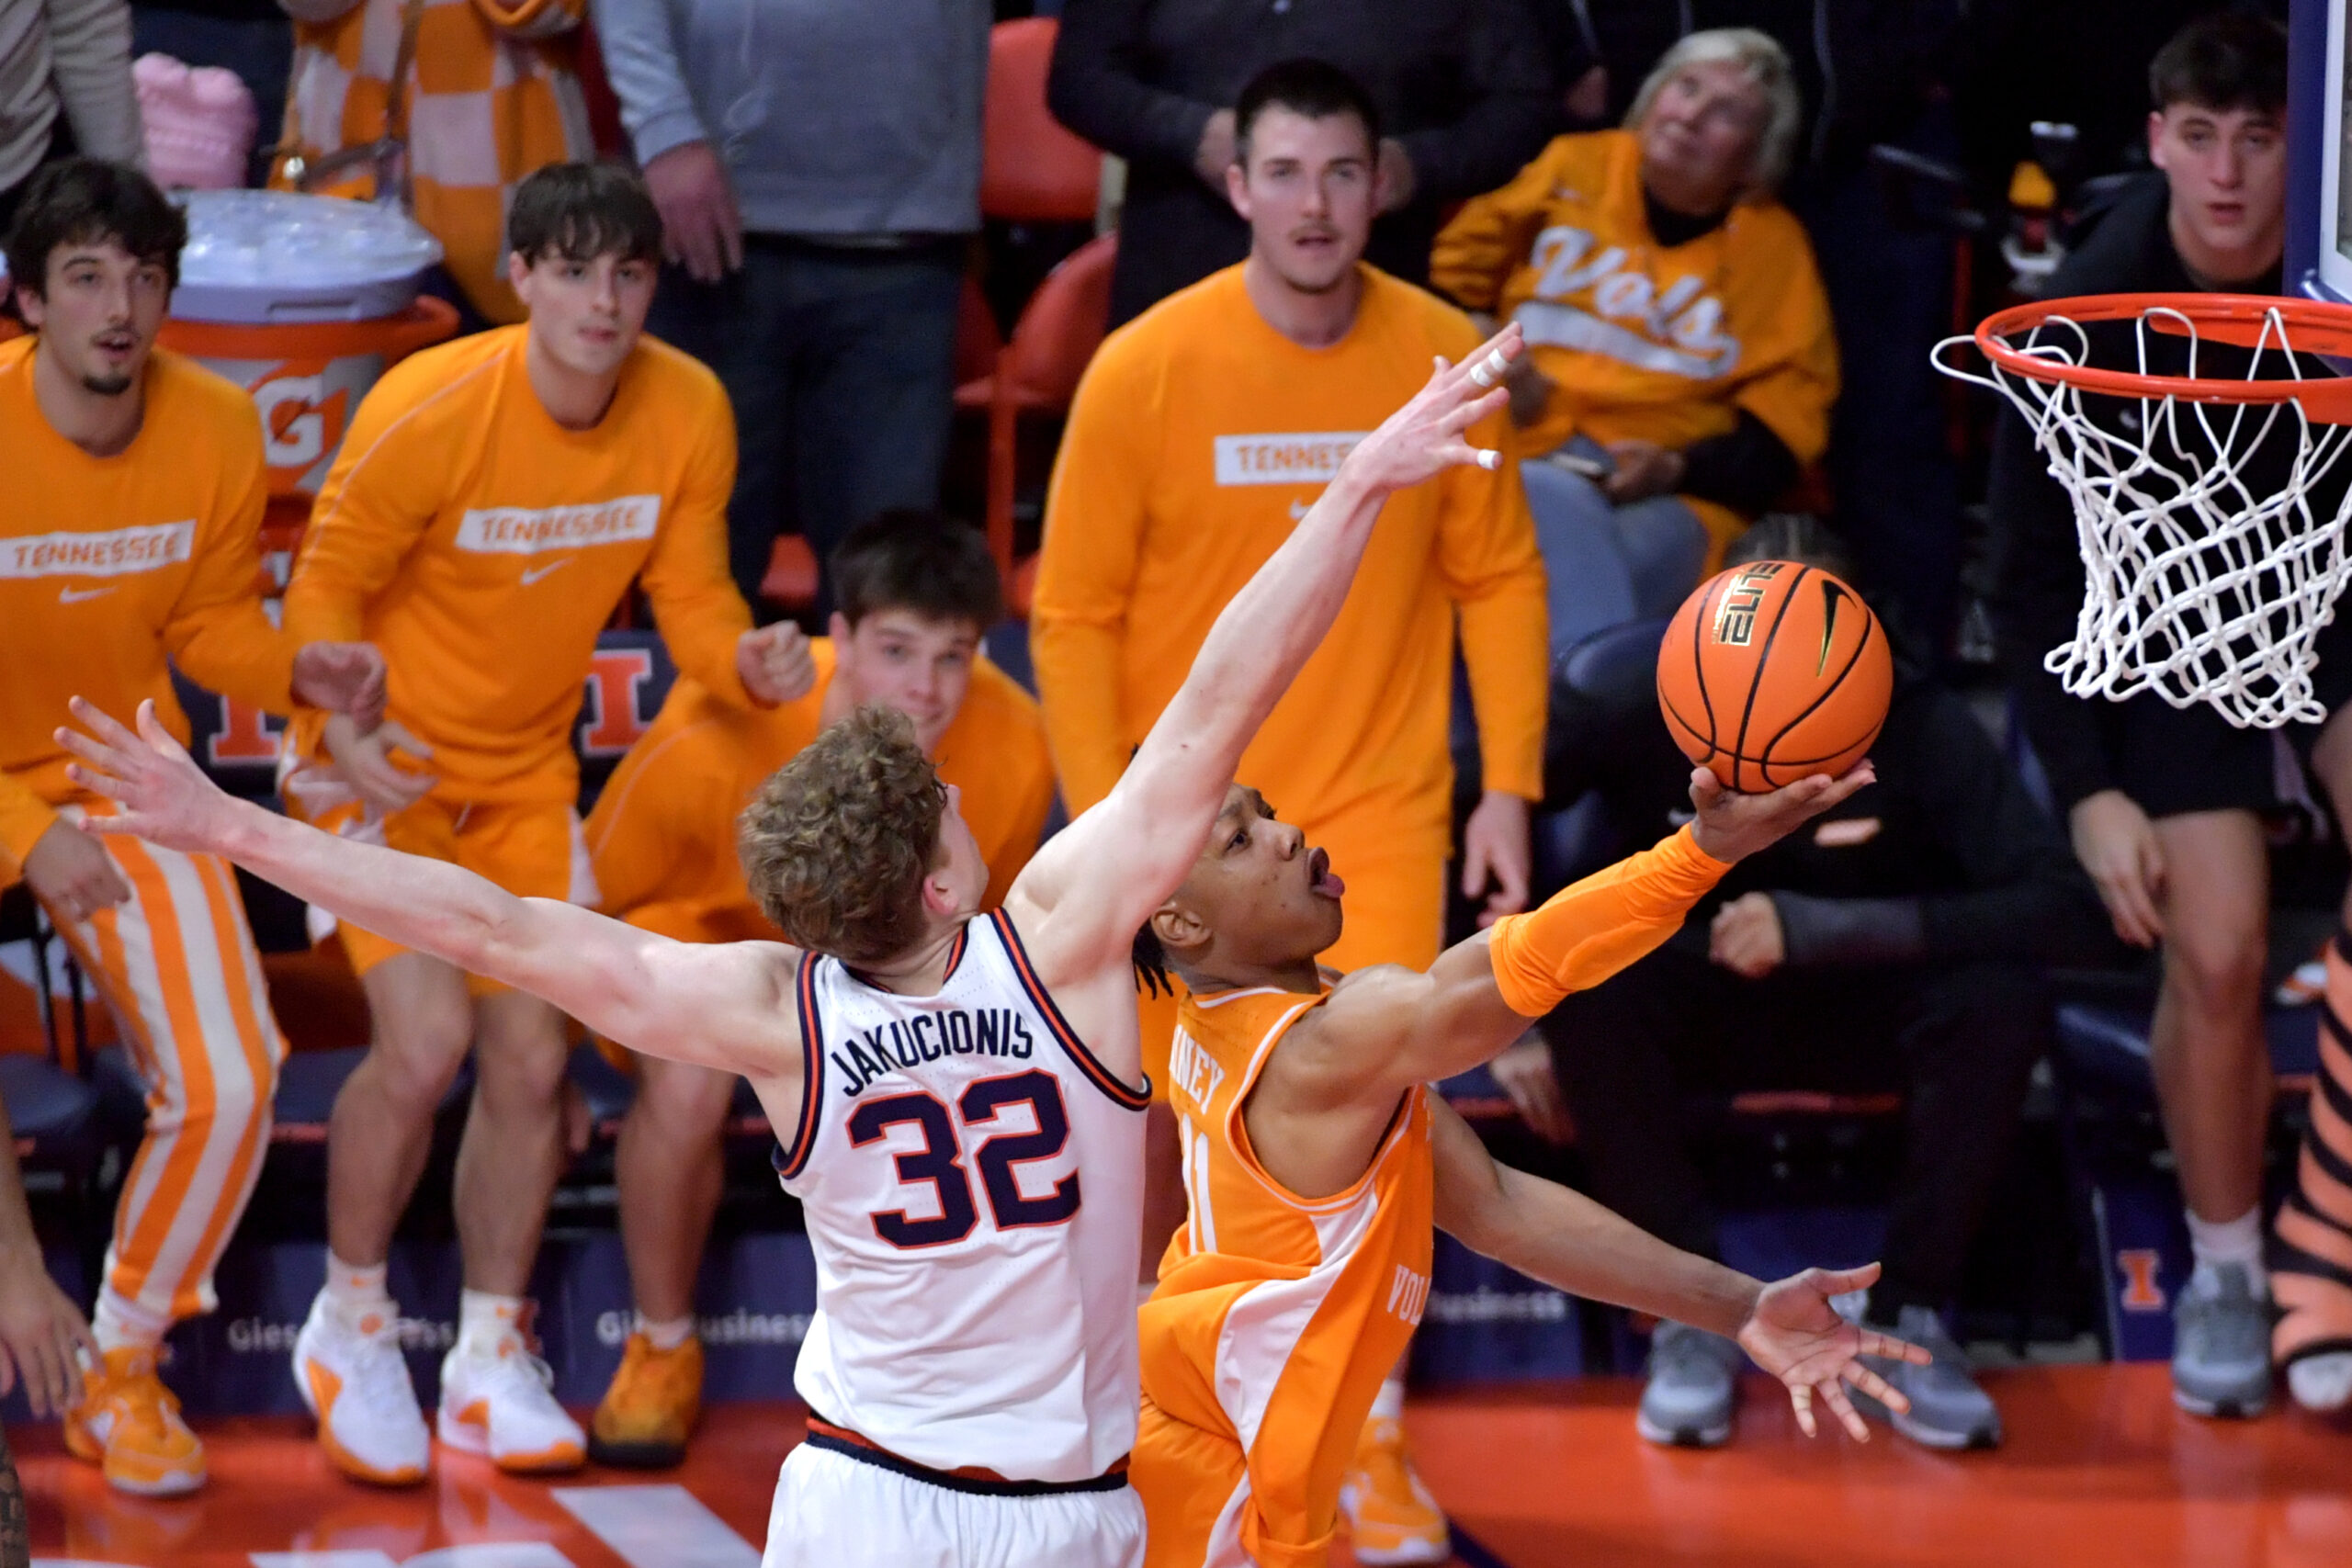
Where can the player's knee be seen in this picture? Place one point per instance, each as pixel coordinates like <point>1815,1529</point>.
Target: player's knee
<point>520,1074</point>
<point>678,1102</point>
<point>2215,970</point>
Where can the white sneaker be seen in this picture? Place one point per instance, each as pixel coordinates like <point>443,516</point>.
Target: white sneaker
<point>500,1405</point>
<point>355,1382</point>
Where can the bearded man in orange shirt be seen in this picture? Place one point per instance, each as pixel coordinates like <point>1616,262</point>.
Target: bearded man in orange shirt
<point>132,535</point>
<point>493,501</point>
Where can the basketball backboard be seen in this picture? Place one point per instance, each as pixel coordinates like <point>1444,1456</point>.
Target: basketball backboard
<point>2319,171</point>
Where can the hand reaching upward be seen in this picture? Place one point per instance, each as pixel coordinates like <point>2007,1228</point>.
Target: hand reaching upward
<point>1424,438</point>
<point>1795,1334</point>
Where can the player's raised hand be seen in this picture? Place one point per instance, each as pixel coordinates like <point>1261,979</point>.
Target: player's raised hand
<point>1424,438</point>
<point>776,663</point>
<point>1733,825</point>
<point>1795,1334</point>
<point>159,793</point>
<point>342,677</point>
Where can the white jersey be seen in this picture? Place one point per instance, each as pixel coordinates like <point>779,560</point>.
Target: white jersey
<point>973,1182</point>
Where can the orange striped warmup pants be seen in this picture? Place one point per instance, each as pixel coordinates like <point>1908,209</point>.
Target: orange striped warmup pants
<point>176,964</point>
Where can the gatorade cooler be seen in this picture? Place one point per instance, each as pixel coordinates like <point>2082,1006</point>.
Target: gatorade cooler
<point>303,300</point>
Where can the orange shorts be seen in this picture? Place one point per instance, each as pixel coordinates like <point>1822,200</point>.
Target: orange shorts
<point>533,850</point>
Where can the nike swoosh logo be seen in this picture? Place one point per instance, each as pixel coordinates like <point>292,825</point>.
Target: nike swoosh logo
<point>1679,818</point>
<point>76,595</point>
<point>532,573</point>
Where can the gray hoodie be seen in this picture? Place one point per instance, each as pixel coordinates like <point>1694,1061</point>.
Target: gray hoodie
<point>845,119</point>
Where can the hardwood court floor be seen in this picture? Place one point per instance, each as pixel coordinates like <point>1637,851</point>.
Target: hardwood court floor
<point>2099,1469</point>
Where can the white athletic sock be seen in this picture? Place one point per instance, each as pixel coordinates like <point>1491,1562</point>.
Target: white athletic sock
<point>2238,1241</point>
<point>353,1290</point>
<point>1389,1404</point>
<point>485,1321</point>
<point>670,1333</point>
<point>2323,1383</point>
<point>122,1324</point>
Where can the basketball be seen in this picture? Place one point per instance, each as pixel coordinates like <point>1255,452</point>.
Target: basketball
<point>1773,671</point>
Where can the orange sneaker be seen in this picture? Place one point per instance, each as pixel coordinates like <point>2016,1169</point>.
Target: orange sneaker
<point>650,1409</point>
<point>1391,1516</point>
<point>128,1424</point>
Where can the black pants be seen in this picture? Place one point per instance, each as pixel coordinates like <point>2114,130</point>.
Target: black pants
<point>1960,1043</point>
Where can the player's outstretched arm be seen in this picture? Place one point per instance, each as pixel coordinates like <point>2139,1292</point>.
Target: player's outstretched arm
<point>1097,882</point>
<point>1565,1239</point>
<point>1386,1030</point>
<point>714,1005</point>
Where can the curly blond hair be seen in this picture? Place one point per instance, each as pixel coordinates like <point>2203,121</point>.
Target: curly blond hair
<point>837,843</point>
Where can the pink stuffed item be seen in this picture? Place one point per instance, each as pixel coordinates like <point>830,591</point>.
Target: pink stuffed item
<point>200,123</point>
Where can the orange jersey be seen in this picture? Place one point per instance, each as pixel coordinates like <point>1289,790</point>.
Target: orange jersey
<point>1277,1317</point>
<point>663,835</point>
<point>1199,437</point>
<point>483,546</point>
<point>1641,341</point>
<point>111,564</point>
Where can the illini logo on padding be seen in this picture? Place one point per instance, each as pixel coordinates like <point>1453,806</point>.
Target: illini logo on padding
<point>1736,616</point>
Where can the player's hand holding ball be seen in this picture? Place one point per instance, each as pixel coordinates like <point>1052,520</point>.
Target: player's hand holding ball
<point>776,664</point>
<point>1774,677</point>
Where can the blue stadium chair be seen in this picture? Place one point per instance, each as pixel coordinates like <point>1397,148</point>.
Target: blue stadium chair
<point>2103,1051</point>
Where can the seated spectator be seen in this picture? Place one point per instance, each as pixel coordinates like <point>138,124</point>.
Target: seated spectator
<point>1894,945</point>
<point>64,86</point>
<point>1680,364</point>
<point>479,96</point>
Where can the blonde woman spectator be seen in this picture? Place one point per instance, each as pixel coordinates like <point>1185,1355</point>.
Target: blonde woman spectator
<point>1680,363</point>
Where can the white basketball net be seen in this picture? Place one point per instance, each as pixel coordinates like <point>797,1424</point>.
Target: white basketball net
<point>2199,589</point>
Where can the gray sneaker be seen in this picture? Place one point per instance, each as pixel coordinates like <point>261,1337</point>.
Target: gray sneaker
<point>1687,1401</point>
<point>1948,1409</point>
<point>2221,1347</point>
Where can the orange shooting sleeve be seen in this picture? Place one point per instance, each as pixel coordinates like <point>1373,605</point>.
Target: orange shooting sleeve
<point>1591,930</point>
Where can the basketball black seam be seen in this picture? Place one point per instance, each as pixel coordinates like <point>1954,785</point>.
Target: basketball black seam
<point>1827,692</point>
<point>1674,715</point>
<point>1755,678</point>
<point>1699,665</point>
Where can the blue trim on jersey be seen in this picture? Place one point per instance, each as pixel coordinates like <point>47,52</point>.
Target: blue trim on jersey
<point>789,1158</point>
<point>1075,1048</point>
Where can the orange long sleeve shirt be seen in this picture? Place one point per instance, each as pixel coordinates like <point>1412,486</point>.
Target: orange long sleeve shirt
<point>109,566</point>
<point>482,546</point>
<point>663,835</point>
<point>1199,435</point>
<point>1642,341</point>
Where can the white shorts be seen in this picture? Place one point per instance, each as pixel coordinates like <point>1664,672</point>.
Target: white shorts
<point>832,1511</point>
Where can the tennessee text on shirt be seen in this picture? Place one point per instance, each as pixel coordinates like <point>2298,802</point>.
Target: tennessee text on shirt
<point>1305,457</point>
<point>115,553</point>
<point>527,531</point>
<point>906,1044</point>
